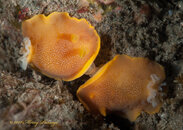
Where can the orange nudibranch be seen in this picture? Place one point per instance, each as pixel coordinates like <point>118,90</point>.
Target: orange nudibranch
<point>59,46</point>
<point>125,85</point>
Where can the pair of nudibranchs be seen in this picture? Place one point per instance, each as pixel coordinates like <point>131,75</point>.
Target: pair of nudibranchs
<point>64,48</point>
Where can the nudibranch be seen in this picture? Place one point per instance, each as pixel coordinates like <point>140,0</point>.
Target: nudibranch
<point>59,46</point>
<point>126,86</point>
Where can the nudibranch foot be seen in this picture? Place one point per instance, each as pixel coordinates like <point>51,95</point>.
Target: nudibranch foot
<point>92,70</point>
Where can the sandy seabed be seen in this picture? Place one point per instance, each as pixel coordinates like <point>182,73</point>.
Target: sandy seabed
<point>153,29</point>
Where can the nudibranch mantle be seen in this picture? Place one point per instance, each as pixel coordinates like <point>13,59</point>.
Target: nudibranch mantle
<point>125,85</point>
<point>62,47</point>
